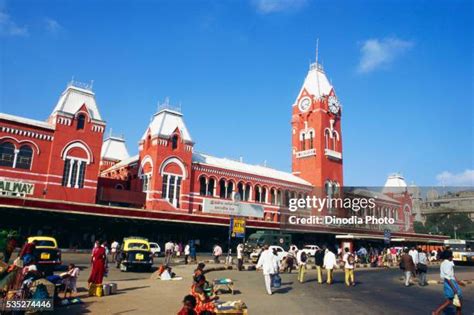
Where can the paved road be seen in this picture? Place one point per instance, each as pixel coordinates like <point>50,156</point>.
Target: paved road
<point>377,292</point>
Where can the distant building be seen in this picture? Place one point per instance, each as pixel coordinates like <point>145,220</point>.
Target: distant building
<point>438,202</point>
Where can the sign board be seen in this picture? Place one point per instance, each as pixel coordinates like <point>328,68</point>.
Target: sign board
<point>387,235</point>
<point>237,227</point>
<point>232,208</point>
<point>12,187</point>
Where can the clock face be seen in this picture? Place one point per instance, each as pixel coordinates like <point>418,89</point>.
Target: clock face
<point>333,105</point>
<point>304,104</point>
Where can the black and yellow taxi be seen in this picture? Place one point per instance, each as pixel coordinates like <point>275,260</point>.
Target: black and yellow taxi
<point>135,253</point>
<point>47,253</point>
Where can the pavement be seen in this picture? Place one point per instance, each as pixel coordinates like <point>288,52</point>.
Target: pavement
<point>377,291</point>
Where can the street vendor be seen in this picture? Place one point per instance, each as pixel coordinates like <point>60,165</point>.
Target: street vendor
<point>204,302</point>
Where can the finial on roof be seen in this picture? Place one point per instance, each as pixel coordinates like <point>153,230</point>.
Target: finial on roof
<point>81,85</point>
<point>166,105</point>
<point>110,133</point>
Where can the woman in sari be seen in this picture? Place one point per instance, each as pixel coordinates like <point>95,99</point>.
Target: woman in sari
<point>203,301</point>
<point>99,261</point>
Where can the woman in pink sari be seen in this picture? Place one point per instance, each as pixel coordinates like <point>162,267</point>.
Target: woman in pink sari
<point>98,260</point>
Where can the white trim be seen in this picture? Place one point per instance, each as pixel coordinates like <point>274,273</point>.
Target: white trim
<point>145,160</point>
<point>176,161</point>
<point>77,144</point>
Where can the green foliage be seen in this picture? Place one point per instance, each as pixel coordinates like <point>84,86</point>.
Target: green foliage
<point>447,224</point>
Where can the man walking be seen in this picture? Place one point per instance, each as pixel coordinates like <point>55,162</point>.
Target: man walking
<point>301,259</point>
<point>408,266</point>
<point>422,266</point>
<point>268,262</point>
<point>240,256</point>
<point>113,248</point>
<point>217,252</point>
<point>349,262</point>
<point>319,261</point>
<point>329,263</point>
<point>187,251</point>
<point>452,291</point>
<point>169,247</point>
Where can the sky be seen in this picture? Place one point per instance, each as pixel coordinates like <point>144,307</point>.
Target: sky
<point>403,71</point>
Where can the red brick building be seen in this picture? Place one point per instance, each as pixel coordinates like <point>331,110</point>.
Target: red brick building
<point>65,159</point>
<point>60,156</point>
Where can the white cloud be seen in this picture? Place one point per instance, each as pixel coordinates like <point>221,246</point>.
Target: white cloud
<point>8,27</point>
<point>272,6</point>
<point>379,53</point>
<point>52,25</point>
<point>465,178</point>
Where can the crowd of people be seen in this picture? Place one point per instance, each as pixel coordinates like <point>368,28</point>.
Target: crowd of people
<point>173,249</point>
<point>413,263</point>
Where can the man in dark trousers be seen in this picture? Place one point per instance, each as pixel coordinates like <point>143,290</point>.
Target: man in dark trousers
<point>408,266</point>
<point>319,261</point>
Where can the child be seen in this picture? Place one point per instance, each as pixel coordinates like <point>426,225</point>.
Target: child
<point>189,303</point>
<point>70,280</point>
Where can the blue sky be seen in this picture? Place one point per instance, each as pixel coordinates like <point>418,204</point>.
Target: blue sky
<point>403,71</point>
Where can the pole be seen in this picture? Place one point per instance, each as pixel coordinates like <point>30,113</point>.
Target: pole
<point>230,237</point>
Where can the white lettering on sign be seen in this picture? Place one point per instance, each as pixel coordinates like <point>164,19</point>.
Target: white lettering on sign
<point>230,207</point>
<point>16,187</point>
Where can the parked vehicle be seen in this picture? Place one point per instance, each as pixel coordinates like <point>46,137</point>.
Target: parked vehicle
<point>135,253</point>
<point>47,253</point>
<point>155,249</point>
<point>310,250</point>
<point>258,239</point>
<point>255,255</point>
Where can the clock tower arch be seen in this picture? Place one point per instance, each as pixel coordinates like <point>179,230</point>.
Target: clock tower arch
<point>316,132</point>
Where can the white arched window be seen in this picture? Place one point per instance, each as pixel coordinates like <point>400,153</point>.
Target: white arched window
<point>76,157</point>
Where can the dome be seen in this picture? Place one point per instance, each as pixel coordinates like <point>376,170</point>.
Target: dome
<point>395,183</point>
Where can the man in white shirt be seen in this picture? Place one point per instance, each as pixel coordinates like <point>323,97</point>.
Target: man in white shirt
<point>452,291</point>
<point>169,247</point>
<point>349,262</point>
<point>217,252</point>
<point>240,256</point>
<point>414,255</point>
<point>329,264</point>
<point>187,251</point>
<point>269,264</point>
<point>114,248</point>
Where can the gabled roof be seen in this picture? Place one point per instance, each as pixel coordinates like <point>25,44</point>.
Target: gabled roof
<point>165,122</point>
<point>258,170</point>
<point>123,163</point>
<point>72,99</point>
<point>316,82</point>
<point>27,121</point>
<point>114,149</point>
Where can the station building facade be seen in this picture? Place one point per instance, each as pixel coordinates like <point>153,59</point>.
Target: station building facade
<point>66,159</point>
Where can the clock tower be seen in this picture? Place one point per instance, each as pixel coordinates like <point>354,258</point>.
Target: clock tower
<point>316,132</point>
